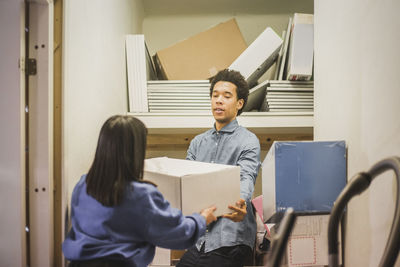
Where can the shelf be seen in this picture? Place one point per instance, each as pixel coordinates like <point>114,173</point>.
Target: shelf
<point>258,122</point>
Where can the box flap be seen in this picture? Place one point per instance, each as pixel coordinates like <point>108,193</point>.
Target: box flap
<point>202,55</point>
<point>181,167</point>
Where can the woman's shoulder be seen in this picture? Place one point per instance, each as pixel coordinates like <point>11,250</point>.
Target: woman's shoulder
<point>144,192</point>
<point>82,180</point>
<point>143,187</point>
<point>81,183</point>
<point>145,184</point>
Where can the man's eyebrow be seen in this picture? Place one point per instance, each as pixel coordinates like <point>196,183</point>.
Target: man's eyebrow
<point>223,92</point>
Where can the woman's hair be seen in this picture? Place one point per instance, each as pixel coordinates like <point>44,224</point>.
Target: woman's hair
<point>119,159</point>
<point>232,76</point>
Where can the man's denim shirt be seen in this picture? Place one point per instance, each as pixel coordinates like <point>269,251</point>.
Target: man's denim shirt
<point>232,145</point>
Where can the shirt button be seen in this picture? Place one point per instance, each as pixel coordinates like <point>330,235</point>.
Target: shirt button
<point>212,161</point>
<point>216,144</point>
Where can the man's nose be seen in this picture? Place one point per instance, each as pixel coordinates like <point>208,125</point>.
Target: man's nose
<point>219,99</point>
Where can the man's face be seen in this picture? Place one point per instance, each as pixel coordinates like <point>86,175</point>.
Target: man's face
<point>224,102</point>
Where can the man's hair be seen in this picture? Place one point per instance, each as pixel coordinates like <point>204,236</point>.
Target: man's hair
<point>232,76</point>
<point>119,159</point>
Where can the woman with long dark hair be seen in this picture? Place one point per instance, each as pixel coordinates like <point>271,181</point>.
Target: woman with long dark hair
<point>117,217</point>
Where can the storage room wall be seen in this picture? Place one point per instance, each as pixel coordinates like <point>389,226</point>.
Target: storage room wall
<point>12,144</point>
<point>94,75</point>
<point>167,24</point>
<point>357,93</point>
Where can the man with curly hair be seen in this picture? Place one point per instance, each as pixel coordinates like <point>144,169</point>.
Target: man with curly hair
<point>229,240</point>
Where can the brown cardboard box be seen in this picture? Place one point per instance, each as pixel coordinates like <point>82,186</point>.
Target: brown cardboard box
<point>202,55</point>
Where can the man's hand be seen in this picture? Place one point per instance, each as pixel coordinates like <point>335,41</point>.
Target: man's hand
<point>240,210</point>
<point>208,214</point>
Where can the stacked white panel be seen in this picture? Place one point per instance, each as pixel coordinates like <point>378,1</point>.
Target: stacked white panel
<point>179,96</point>
<point>290,96</point>
<point>301,48</point>
<point>137,76</point>
<point>259,56</point>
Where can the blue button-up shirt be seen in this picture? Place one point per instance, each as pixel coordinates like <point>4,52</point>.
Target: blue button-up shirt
<point>232,145</point>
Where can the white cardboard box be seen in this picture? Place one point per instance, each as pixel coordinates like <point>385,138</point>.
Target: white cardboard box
<point>192,185</point>
<point>301,48</point>
<point>259,56</point>
<point>308,242</point>
<point>162,257</point>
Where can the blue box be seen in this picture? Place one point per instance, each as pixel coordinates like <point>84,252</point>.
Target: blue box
<point>307,176</point>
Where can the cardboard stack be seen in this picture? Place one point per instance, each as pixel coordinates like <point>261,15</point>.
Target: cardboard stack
<point>179,96</point>
<point>282,96</point>
<point>188,64</point>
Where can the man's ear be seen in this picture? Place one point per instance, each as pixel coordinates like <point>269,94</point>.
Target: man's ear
<point>239,104</point>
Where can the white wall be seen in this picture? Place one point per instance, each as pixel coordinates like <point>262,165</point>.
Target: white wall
<point>12,144</point>
<point>357,98</point>
<point>94,82</point>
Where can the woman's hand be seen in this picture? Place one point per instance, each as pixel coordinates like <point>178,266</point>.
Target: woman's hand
<point>240,211</point>
<point>208,214</point>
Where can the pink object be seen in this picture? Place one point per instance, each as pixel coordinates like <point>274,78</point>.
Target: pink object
<point>258,204</point>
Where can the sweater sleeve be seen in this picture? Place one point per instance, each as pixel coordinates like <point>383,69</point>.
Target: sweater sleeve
<point>167,227</point>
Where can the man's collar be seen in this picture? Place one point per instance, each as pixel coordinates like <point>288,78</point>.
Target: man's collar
<point>229,128</point>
